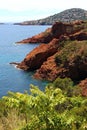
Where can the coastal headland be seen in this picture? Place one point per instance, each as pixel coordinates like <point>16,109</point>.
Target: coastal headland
<point>62,53</point>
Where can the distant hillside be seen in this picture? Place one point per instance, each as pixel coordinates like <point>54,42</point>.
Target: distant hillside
<point>64,16</point>
<point>1,23</point>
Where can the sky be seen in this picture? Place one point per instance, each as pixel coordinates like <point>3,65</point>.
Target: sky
<point>23,10</point>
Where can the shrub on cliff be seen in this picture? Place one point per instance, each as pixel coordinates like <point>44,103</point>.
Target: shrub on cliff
<point>67,86</point>
<point>72,58</point>
<point>72,51</point>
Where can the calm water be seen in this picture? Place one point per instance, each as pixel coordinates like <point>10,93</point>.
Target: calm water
<point>12,79</point>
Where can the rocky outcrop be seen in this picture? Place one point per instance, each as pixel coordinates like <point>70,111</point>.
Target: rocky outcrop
<point>58,29</point>
<point>79,36</point>
<point>40,54</point>
<point>48,70</point>
<point>43,37</point>
<point>71,61</point>
<point>65,55</point>
<point>83,85</point>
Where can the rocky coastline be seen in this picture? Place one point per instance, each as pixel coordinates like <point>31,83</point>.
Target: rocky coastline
<point>62,53</point>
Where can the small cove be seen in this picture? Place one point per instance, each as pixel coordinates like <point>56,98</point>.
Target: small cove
<point>11,78</point>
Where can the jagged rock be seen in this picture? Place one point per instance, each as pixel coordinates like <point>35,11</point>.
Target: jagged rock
<point>36,57</point>
<point>72,54</point>
<point>56,31</point>
<point>49,70</point>
<point>43,37</point>
<point>60,28</point>
<point>71,62</point>
<point>14,63</point>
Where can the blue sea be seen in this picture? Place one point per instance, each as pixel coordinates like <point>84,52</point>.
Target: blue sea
<point>11,78</point>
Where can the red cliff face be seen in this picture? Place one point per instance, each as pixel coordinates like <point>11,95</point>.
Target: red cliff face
<point>49,70</point>
<point>64,56</point>
<point>71,61</point>
<point>56,31</point>
<point>43,37</point>
<point>60,28</point>
<point>36,57</point>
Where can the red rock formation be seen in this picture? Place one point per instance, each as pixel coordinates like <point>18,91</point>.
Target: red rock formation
<point>56,31</point>
<point>75,67</point>
<point>83,85</point>
<point>79,36</point>
<point>49,70</point>
<point>43,37</point>
<point>43,57</point>
<point>36,57</point>
<point>60,28</point>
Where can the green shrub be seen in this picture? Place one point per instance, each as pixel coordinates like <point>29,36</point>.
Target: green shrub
<point>52,109</point>
<point>72,51</point>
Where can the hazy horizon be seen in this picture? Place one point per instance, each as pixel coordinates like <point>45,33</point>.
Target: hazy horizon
<point>25,10</point>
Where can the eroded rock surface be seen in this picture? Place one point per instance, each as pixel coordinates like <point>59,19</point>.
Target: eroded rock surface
<point>70,61</point>
<point>40,54</point>
<point>56,31</point>
<point>64,56</point>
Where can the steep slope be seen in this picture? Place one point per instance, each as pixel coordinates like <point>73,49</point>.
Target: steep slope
<point>64,16</point>
<point>64,56</point>
<point>36,57</point>
<point>69,61</point>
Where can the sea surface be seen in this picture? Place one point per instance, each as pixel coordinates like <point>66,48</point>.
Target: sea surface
<point>11,78</point>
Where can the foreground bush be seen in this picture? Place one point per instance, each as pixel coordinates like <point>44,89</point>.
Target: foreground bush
<point>53,109</point>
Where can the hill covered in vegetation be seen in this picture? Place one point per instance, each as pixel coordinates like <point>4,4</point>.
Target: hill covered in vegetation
<point>64,16</point>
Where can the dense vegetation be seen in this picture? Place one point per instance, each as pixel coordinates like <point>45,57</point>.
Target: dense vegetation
<point>73,57</point>
<point>59,107</point>
<point>72,51</point>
